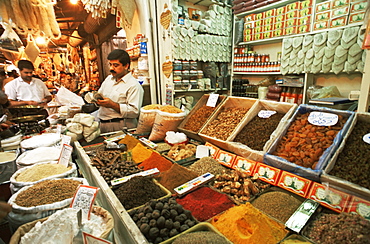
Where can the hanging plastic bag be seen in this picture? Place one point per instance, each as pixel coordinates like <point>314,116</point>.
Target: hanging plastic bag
<point>10,40</point>
<point>32,50</point>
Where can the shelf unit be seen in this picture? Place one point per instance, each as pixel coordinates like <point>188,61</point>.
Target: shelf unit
<point>361,80</point>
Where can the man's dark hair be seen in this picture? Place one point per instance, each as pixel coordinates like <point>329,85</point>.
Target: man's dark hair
<point>120,55</point>
<point>25,64</point>
<point>2,73</point>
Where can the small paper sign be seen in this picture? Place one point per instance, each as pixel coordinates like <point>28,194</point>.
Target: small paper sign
<point>59,129</point>
<point>149,172</point>
<point>322,119</point>
<point>84,199</point>
<point>266,113</point>
<point>90,239</point>
<point>300,217</point>
<point>65,155</point>
<point>202,151</point>
<point>366,138</point>
<point>66,139</point>
<point>212,100</point>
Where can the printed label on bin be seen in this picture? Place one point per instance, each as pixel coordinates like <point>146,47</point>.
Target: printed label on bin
<point>192,184</point>
<point>212,100</point>
<point>359,206</point>
<point>266,113</point>
<point>148,143</point>
<point>202,151</point>
<point>300,217</point>
<point>84,199</point>
<point>322,118</point>
<point>66,139</point>
<point>213,150</point>
<point>294,183</point>
<point>245,165</point>
<point>366,138</point>
<point>65,155</point>
<point>267,173</point>
<point>150,172</point>
<point>90,239</point>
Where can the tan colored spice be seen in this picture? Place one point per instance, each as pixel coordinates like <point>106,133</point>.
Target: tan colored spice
<point>39,172</point>
<point>46,192</point>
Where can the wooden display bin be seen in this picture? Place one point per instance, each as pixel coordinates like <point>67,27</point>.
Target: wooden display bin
<point>339,183</point>
<point>230,102</point>
<point>202,101</point>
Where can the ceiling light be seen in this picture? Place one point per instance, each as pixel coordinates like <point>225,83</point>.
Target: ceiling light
<point>40,40</point>
<point>74,1</point>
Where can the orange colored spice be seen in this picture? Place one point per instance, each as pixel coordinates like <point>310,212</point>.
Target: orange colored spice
<point>140,153</point>
<point>130,142</point>
<point>156,161</point>
<point>246,224</point>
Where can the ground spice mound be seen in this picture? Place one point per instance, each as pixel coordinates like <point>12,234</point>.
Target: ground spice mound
<point>246,224</point>
<point>130,142</point>
<point>41,171</point>
<point>207,165</point>
<point>170,109</point>
<point>200,237</point>
<point>140,153</point>
<point>138,191</point>
<point>156,161</point>
<point>204,203</point>
<point>279,205</point>
<point>46,192</point>
<point>198,118</point>
<point>175,176</point>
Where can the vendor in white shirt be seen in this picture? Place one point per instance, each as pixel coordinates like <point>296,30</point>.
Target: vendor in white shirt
<point>122,95</point>
<point>27,90</point>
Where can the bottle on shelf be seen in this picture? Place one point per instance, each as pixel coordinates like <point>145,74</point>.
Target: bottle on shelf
<point>300,96</point>
<point>283,94</point>
<point>288,96</point>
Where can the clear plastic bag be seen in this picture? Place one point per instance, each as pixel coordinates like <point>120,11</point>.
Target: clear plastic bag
<point>9,40</point>
<point>323,92</point>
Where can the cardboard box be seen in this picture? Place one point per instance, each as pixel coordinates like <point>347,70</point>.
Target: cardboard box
<point>245,165</point>
<point>306,20</point>
<point>339,12</point>
<point>225,158</point>
<point>291,30</point>
<point>359,206</point>
<point>250,24</point>
<point>258,23</point>
<point>320,25</point>
<point>356,17</point>
<point>329,197</point>
<point>338,22</point>
<point>280,11</point>
<point>305,12</point>
<point>279,25</point>
<point>322,16</point>
<point>268,28</point>
<point>258,36</point>
<point>268,21</point>
<point>359,7</point>
<point>280,32</point>
<point>280,18</point>
<point>324,6</point>
<point>248,38</point>
<point>268,34</point>
<point>258,16</point>
<point>249,17</point>
<point>270,13</point>
<point>291,22</point>
<point>248,31</point>
<point>339,3</point>
<point>213,150</point>
<point>258,29</point>
<point>292,6</point>
<point>306,4</point>
<point>267,173</point>
<point>303,28</point>
<point>292,14</point>
<point>294,183</point>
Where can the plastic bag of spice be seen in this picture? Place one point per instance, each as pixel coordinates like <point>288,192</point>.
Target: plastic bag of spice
<point>165,122</point>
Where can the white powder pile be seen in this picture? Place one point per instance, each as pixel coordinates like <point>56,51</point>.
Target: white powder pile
<point>61,227</point>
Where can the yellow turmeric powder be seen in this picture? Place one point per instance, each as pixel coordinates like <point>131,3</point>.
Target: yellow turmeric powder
<point>140,153</point>
<point>244,224</point>
<point>130,142</point>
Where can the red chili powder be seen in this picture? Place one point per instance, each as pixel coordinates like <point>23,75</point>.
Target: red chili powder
<point>204,203</point>
<point>156,161</point>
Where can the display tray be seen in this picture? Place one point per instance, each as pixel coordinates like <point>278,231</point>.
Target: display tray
<point>202,101</point>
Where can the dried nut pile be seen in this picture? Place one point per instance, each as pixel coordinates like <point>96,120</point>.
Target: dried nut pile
<point>225,123</point>
<point>181,151</point>
<point>258,131</point>
<point>198,118</point>
<point>46,192</point>
<point>160,220</point>
<point>111,166</point>
<point>304,143</point>
<point>41,171</point>
<point>353,163</point>
<point>239,185</point>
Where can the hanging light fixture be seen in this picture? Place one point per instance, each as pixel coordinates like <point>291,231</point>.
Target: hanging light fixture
<point>40,41</point>
<point>74,1</point>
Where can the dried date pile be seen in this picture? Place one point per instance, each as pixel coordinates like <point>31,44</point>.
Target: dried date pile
<point>340,228</point>
<point>198,118</point>
<point>162,219</point>
<point>239,185</point>
<point>258,131</point>
<point>304,143</point>
<point>111,166</point>
<point>353,163</point>
<point>225,123</point>
<point>47,192</point>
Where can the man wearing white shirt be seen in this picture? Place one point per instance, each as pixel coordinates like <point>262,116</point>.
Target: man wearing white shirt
<point>122,95</point>
<point>27,90</point>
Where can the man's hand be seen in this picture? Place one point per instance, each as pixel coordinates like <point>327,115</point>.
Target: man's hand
<point>105,102</point>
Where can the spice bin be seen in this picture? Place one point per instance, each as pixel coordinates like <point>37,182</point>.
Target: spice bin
<point>232,109</point>
<point>313,174</point>
<point>351,159</point>
<point>200,119</point>
<point>252,123</point>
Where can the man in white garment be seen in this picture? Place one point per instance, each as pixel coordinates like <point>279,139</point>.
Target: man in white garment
<point>122,95</point>
<point>25,89</point>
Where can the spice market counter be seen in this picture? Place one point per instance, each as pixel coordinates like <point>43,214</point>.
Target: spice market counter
<point>125,229</point>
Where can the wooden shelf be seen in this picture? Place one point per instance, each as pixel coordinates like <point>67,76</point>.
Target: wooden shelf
<point>265,8</point>
<point>257,73</point>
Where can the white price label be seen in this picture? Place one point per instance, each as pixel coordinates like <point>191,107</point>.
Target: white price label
<point>322,119</point>
<point>65,155</point>
<point>202,151</point>
<point>366,138</point>
<point>66,139</point>
<point>59,129</point>
<point>84,199</point>
<point>266,113</point>
<point>212,100</point>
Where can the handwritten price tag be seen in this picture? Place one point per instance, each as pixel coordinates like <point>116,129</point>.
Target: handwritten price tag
<point>212,100</point>
<point>65,155</point>
<point>322,119</point>
<point>84,199</point>
<point>366,138</point>
<point>266,113</point>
